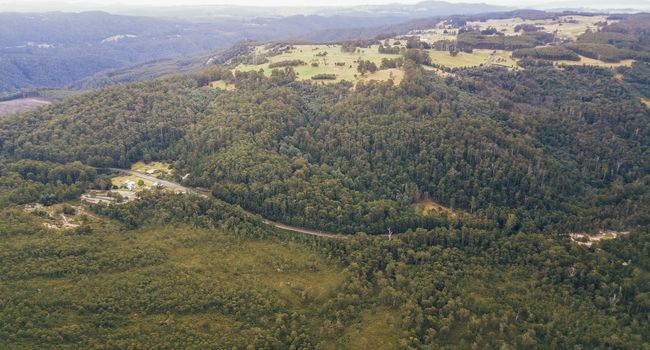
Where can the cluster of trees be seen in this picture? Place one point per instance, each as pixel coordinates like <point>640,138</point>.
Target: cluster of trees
<point>365,66</point>
<point>287,63</point>
<point>387,49</point>
<point>387,63</point>
<point>324,76</point>
<point>28,181</point>
<point>551,53</point>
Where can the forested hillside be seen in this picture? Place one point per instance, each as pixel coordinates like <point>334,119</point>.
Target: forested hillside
<point>532,149</point>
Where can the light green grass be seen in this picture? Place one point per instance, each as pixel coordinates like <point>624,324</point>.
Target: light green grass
<point>326,64</point>
<point>117,181</point>
<point>476,58</point>
<point>159,166</point>
<point>592,62</point>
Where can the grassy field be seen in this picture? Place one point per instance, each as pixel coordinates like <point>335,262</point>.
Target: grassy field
<point>326,62</point>
<point>476,58</point>
<point>118,181</point>
<point>564,25</point>
<point>160,167</point>
<point>592,62</point>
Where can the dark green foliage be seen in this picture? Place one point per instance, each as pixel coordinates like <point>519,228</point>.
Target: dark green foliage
<point>366,66</point>
<point>553,53</point>
<point>287,63</point>
<point>324,76</point>
<point>28,181</point>
<point>387,63</point>
<point>390,50</point>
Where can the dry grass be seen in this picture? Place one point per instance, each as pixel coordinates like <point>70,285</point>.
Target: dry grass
<point>21,105</point>
<point>429,207</point>
<point>645,101</point>
<point>220,84</point>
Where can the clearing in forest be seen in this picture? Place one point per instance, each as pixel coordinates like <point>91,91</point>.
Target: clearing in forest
<point>327,59</point>
<point>479,57</point>
<point>21,105</point>
<point>429,207</point>
<point>565,27</point>
<point>152,168</point>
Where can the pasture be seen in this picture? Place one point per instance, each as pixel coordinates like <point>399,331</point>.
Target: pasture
<point>477,58</point>
<point>566,27</point>
<point>593,62</point>
<point>327,59</point>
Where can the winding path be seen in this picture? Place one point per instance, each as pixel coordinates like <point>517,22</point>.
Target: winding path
<point>206,194</point>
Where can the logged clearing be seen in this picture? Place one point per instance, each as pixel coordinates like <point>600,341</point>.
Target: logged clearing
<point>54,217</point>
<point>21,105</point>
<point>565,27</point>
<point>588,239</point>
<point>428,207</point>
<point>323,59</point>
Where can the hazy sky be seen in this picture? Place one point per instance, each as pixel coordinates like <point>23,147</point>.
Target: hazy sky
<point>263,2</point>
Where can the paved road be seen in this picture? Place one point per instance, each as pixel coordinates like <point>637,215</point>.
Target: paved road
<point>206,194</point>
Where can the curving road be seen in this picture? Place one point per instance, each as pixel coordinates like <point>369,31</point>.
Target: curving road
<point>203,193</point>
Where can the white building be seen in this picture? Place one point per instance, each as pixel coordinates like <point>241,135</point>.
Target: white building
<point>128,184</point>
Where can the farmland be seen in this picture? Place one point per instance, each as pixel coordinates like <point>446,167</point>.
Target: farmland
<point>476,58</point>
<point>327,59</point>
<point>566,27</point>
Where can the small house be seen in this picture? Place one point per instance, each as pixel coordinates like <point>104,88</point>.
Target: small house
<point>128,184</point>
